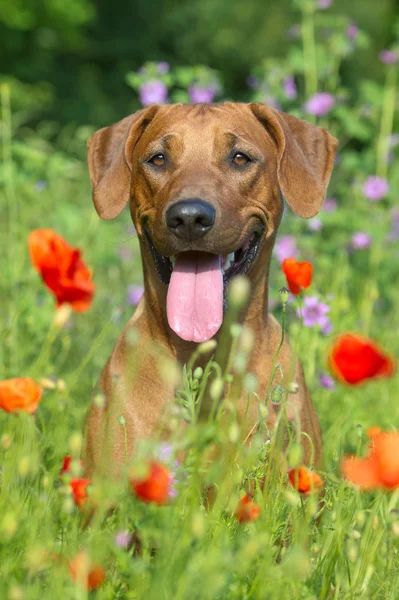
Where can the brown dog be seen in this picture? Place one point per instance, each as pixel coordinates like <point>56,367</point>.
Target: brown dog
<point>205,186</point>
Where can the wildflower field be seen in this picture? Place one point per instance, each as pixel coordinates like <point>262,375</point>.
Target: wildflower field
<point>69,282</point>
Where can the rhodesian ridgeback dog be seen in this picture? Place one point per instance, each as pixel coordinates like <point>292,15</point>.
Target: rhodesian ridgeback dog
<point>204,184</point>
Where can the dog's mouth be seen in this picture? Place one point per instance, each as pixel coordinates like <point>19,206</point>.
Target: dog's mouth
<point>197,283</point>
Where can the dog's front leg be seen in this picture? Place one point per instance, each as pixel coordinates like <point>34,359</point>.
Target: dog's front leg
<point>130,409</point>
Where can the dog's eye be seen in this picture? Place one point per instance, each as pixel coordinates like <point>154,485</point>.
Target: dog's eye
<point>240,159</point>
<point>158,160</point>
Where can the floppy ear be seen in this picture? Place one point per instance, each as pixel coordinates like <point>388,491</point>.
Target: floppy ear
<point>305,158</point>
<point>110,154</point>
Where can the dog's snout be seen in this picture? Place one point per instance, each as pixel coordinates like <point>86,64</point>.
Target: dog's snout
<point>190,220</point>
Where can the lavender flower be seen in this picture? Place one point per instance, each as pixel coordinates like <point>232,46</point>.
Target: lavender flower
<point>289,86</point>
<point>164,452</point>
<point>394,233</point>
<point>125,253</point>
<point>315,224</point>
<point>352,32</point>
<point>200,94</point>
<point>153,92</point>
<point>326,381</point>
<point>393,140</point>
<point>293,32</point>
<point>40,185</point>
<point>389,57</point>
<point>163,67</point>
<point>330,205</point>
<point>123,539</point>
<point>131,230</point>
<point>286,248</point>
<point>172,493</point>
<point>361,240</point>
<point>134,294</point>
<point>252,82</point>
<point>375,188</point>
<point>320,104</point>
<point>315,313</point>
<point>273,102</point>
<point>324,4</point>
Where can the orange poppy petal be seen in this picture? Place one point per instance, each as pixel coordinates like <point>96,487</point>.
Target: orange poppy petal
<point>84,572</point>
<point>362,472</point>
<point>155,486</point>
<point>304,480</point>
<point>79,490</point>
<point>246,510</point>
<point>385,449</point>
<point>20,394</point>
<point>61,268</point>
<point>354,359</point>
<point>299,275</point>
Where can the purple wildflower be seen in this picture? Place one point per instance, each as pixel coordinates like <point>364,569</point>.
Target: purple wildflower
<point>394,233</point>
<point>163,67</point>
<point>389,57</point>
<point>172,493</point>
<point>40,185</point>
<point>123,539</point>
<point>375,188</point>
<point>131,230</point>
<point>315,224</point>
<point>323,4</point>
<point>273,102</point>
<point>134,294</point>
<point>352,32</point>
<point>327,329</point>
<point>252,82</point>
<point>153,92</point>
<point>361,240</point>
<point>315,312</point>
<point>286,248</point>
<point>393,140</point>
<point>290,90</point>
<point>164,452</point>
<point>330,205</point>
<point>326,381</point>
<point>272,303</point>
<point>125,253</point>
<point>320,104</point>
<point>202,95</point>
<point>293,32</point>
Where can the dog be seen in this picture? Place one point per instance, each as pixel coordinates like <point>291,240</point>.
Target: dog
<point>205,184</point>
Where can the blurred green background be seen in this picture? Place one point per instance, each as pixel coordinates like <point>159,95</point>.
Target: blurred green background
<point>75,54</point>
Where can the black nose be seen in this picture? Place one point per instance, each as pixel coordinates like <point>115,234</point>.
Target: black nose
<point>190,220</point>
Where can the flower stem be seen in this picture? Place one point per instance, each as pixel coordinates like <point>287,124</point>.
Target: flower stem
<point>309,50</point>
<point>275,357</point>
<point>12,210</point>
<point>387,116</point>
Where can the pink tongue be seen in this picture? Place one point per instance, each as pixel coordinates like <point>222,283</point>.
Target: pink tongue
<point>194,303</point>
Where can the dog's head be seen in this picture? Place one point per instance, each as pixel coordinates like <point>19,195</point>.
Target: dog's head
<point>205,185</point>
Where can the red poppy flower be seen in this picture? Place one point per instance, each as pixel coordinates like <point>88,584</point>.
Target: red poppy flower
<point>155,486</point>
<point>246,510</point>
<point>304,480</point>
<point>354,359</point>
<point>66,464</point>
<point>298,274</point>
<point>79,490</point>
<point>380,469</point>
<point>61,268</point>
<point>84,572</point>
<point>20,394</point>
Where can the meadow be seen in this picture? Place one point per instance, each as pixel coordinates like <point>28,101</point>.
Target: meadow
<point>341,543</point>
